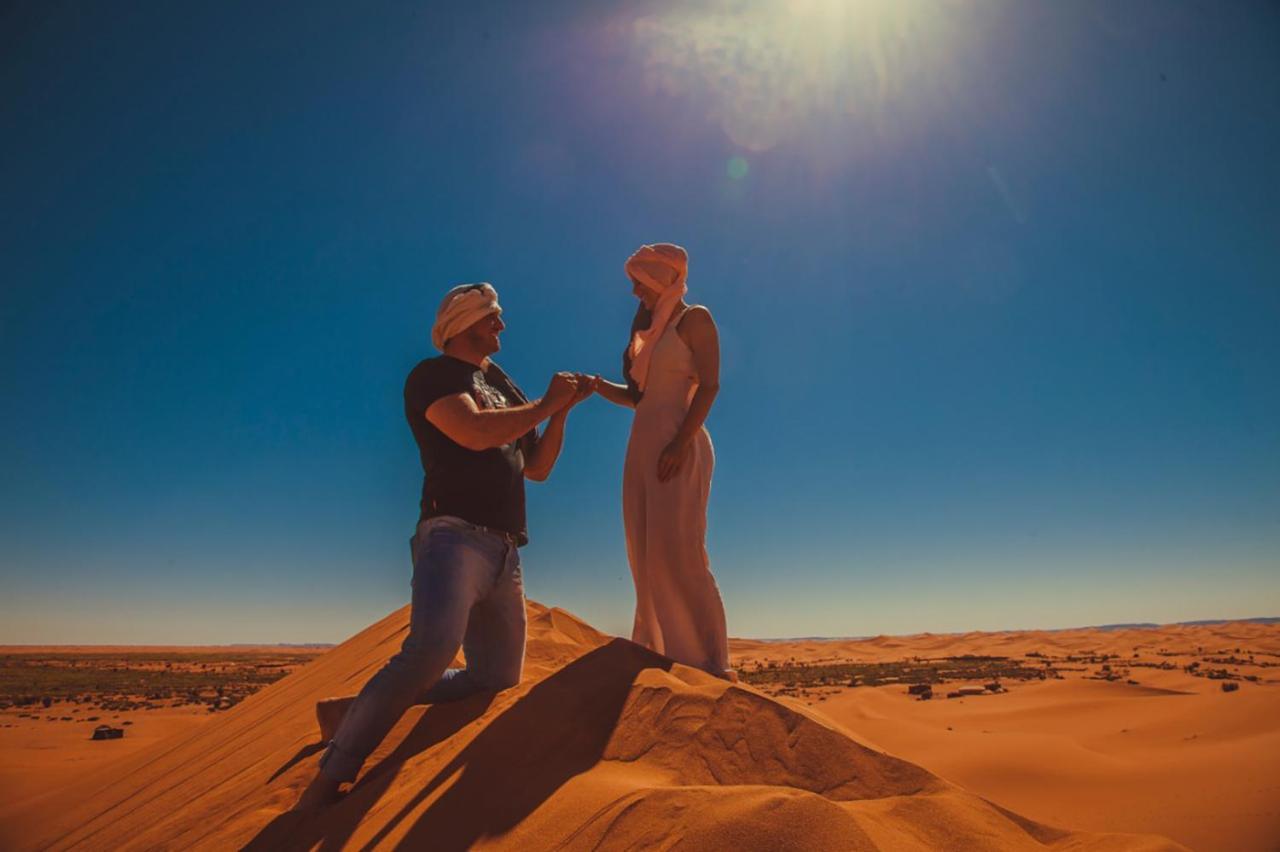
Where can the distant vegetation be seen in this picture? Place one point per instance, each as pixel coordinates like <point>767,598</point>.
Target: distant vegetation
<point>920,674</point>
<point>144,679</point>
<point>916,670</point>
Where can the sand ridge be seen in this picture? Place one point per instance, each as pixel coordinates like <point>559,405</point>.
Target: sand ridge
<point>603,745</point>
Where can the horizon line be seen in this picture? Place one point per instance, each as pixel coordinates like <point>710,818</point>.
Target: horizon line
<point>1142,625</point>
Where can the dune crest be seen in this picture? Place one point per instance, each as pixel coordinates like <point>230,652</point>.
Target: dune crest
<point>603,745</point>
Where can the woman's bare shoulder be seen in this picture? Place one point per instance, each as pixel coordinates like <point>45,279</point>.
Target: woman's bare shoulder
<point>697,316</point>
<point>698,330</point>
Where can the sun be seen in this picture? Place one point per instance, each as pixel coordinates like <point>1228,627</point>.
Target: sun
<point>771,70</point>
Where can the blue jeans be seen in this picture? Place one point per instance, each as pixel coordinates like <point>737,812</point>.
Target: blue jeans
<point>468,591</point>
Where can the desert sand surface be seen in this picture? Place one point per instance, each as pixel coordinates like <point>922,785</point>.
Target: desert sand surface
<point>42,756</point>
<point>1170,754</point>
<point>602,745</point>
<point>149,693</point>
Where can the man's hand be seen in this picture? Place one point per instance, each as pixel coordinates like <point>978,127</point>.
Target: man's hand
<point>672,459</point>
<point>587,386</point>
<point>582,386</point>
<point>565,391</point>
<point>561,391</point>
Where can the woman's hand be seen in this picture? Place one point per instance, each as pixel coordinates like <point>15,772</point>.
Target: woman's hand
<point>561,392</point>
<point>583,386</point>
<point>672,459</point>
<point>587,385</point>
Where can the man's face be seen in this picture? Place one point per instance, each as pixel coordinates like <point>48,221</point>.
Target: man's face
<point>483,333</point>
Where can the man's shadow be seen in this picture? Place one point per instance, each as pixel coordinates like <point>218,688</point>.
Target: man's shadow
<point>333,827</point>
<point>556,731</point>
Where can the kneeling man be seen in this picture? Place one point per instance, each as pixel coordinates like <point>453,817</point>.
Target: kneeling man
<point>477,438</point>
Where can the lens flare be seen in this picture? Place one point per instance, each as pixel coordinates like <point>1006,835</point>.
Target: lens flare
<point>768,72</point>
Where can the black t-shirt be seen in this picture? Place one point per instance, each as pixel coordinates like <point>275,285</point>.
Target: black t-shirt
<point>484,487</point>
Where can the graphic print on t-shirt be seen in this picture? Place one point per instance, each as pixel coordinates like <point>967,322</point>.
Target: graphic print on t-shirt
<point>485,487</point>
<point>485,395</point>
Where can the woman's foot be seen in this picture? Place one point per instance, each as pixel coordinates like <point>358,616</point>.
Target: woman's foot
<point>329,714</point>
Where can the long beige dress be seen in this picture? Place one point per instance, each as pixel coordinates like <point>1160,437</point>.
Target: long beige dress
<point>678,608</point>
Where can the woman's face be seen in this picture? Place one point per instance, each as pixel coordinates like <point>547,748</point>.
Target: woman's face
<point>645,294</point>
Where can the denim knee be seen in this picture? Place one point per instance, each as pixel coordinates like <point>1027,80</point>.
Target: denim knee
<point>419,652</point>
<point>499,681</point>
<point>504,683</point>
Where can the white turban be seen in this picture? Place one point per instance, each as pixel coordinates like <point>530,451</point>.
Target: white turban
<point>463,306</point>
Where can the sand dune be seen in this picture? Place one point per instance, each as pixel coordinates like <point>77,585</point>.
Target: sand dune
<point>602,745</point>
<point>1176,639</point>
<point>1172,754</point>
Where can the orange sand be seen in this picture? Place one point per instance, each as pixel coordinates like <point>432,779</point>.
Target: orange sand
<point>1174,755</point>
<point>602,745</point>
<point>42,755</point>
<point>39,757</point>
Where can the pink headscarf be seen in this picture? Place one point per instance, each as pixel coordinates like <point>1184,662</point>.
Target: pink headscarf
<point>661,267</point>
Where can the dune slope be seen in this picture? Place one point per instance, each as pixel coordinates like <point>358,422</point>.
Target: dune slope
<point>602,745</point>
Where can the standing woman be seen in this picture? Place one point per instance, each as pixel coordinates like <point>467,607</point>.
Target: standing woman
<point>672,371</point>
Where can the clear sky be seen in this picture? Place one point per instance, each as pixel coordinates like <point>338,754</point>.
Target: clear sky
<point>998,286</point>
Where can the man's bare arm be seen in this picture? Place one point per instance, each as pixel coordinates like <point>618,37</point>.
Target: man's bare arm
<point>542,458</point>
<point>466,424</point>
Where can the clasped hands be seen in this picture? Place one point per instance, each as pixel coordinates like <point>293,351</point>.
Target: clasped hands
<point>568,389</point>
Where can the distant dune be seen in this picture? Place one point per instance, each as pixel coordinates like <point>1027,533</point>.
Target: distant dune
<point>1158,747</point>
<point>602,745</point>
<point>163,649</point>
<point>1134,625</point>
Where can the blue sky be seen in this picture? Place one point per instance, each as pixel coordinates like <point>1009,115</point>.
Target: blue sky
<point>997,287</point>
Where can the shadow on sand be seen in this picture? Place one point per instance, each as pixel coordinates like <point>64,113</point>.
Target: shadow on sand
<point>301,754</point>
<point>556,731</point>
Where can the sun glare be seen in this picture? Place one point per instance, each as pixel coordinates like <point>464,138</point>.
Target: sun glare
<point>772,71</point>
